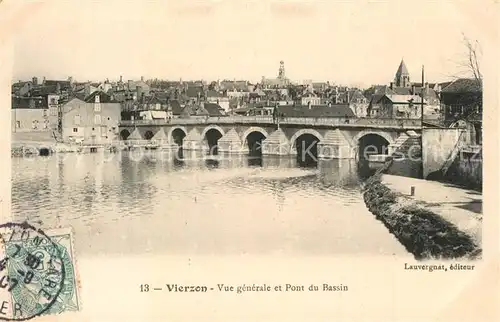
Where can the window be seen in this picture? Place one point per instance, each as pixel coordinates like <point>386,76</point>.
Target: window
<point>75,130</point>
<point>97,107</point>
<point>35,124</point>
<point>97,119</point>
<point>44,113</point>
<point>18,124</point>
<point>76,120</point>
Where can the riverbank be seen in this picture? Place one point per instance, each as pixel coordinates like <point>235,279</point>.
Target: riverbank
<point>426,232</point>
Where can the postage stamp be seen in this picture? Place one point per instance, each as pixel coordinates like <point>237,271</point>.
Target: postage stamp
<point>37,272</point>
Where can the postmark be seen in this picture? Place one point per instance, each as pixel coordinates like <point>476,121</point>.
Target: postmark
<point>37,274</point>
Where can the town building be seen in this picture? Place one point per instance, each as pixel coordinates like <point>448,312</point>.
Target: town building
<point>400,106</point>
<point>280,82</point>
<point>234,89</point>
<point>310,98</point>
<point>461,101</point>
<point>29,114</point>
<point>213,96</point>
<point>141,87</point>
<point>398,100</point>
<point>90,122</point>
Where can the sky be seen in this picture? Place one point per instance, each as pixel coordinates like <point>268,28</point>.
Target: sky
<point>344,42</point>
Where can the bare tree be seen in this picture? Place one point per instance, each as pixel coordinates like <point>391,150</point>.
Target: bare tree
<point>471,61</point>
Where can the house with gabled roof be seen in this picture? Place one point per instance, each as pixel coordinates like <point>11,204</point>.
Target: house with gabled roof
<point>400,106</point>
<point>462,101</point>
<point>462,98</point>
<point>90,122</point>
<point>216,97</point>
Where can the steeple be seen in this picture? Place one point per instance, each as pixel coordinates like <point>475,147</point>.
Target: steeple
<point>402,78</point>
<point>281,71</point>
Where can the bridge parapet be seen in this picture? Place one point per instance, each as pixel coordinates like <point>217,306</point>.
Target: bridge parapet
<point>305,121</point>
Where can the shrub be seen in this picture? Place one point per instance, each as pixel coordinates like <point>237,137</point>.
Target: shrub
<point>422,232</point>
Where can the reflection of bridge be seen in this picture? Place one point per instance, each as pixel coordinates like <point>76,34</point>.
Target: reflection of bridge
<point>330,137</point>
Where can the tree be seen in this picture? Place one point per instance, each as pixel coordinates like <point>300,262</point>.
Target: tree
<point>212,86</point>
<point>470,64</point>
<point>463,97</point>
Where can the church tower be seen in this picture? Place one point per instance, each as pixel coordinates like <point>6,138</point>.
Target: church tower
<point>402,78</point>
<point>281,72</point>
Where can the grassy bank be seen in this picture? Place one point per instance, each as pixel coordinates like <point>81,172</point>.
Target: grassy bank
<point>423,233</point>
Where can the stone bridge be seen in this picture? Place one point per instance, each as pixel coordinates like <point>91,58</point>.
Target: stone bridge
<point>325,137</point>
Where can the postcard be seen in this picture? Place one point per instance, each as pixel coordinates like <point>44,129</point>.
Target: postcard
<point>274,160</point>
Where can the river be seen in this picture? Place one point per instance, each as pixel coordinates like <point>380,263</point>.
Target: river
<point>152,202</point>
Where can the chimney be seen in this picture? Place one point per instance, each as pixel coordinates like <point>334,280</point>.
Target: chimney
<point>87,89</point>
<point>392,85</point>
<point>43,80</point>
<point>121,79</point>
<point>413,90</point>
<point>139,91</point>
<point>426,86</point>
<point>35,81</point>
<point>142,78</point>
<point>130,83</point>
<point>309,105</point>
<point>347,98</point>
<point>70,79</point>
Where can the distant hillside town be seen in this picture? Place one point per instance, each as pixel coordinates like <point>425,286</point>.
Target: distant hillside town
<point>61,106</point>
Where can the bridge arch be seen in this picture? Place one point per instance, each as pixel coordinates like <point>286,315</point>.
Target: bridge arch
<point>176,134</point>
<point>252,139</point>
<point>254,129</point>
<point>124,134</point>
<point>370,143</point>
<point>212,127</point>
<point>149,135</point>
<point>305,143</point>
<point>177,127</point>
<point>305,131</point>
<point>383,134</point>
<point>211,135</point>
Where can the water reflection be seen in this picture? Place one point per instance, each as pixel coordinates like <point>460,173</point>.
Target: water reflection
<point>187,202</point>
<point>254,161</point>
<point>179,158</point>
<point>338,172</point>
<point>212,163</point>
<point>273,161</point>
